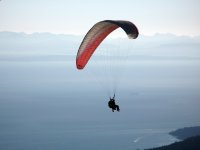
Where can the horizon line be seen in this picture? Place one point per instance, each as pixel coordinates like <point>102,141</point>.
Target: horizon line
<point>74,34</point>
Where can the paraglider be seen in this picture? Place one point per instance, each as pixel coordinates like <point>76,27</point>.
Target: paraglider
<point>97,34</point>
<point>112,105</point>
<point>93,39</point>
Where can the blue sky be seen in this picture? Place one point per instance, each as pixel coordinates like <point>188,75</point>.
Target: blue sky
<point>180,17</point>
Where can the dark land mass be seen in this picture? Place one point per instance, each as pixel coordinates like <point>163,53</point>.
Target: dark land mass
<point>190,137</point>
<point>192,143</point>
<point>185,133</point>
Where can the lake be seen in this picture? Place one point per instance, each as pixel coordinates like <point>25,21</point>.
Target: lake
<point>49,104</point>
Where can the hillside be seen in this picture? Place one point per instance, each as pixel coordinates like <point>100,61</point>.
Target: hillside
<point>190,137</point>
<point>192,143</point>
<point>185,133</point>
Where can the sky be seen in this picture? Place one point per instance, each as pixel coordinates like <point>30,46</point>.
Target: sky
<point>180,17</point>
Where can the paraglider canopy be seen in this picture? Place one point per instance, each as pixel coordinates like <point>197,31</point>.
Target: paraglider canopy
<point>97,34</point>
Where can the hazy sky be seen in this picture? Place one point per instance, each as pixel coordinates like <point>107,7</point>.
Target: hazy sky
<point>181,17</point>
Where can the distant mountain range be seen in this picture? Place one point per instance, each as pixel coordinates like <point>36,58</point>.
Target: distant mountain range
<point>157,46</point>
